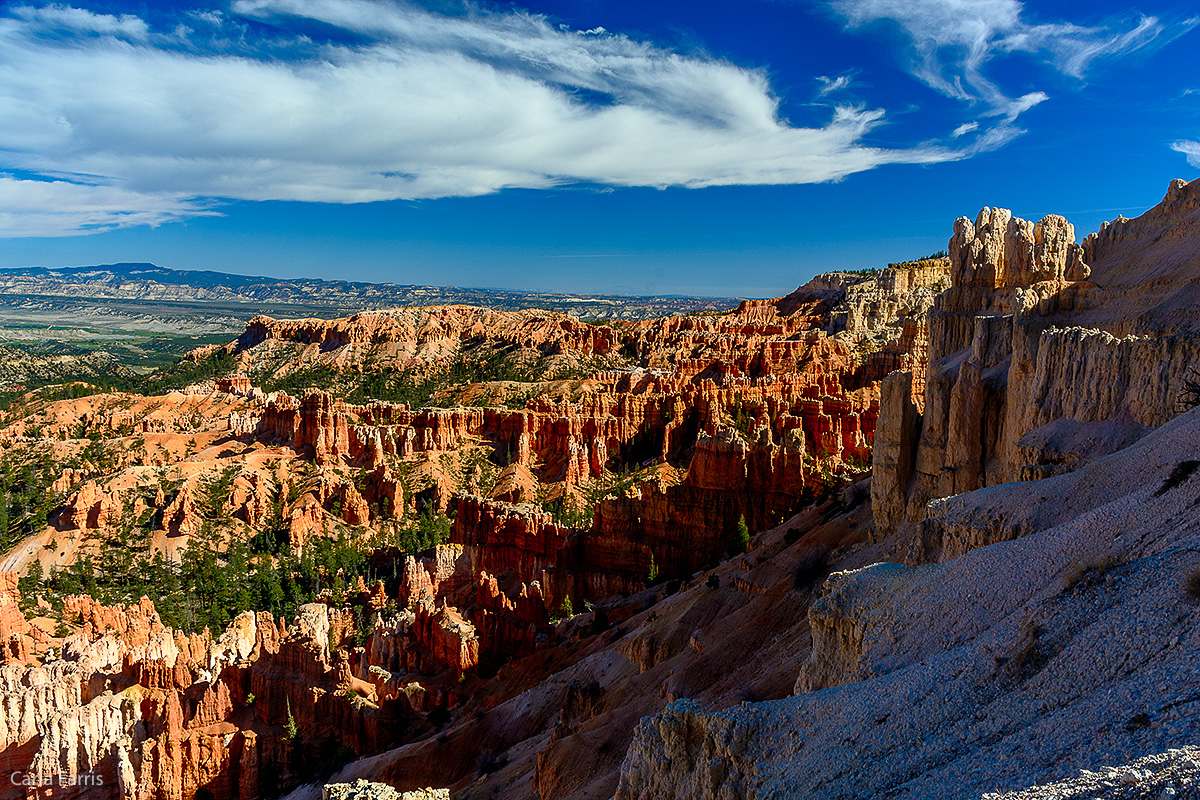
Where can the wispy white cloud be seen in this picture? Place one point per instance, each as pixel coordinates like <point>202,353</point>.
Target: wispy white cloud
<point>953,41</point>
<point>420,105</point>
<point>1190,149</point>
<point>965,128</point>
<point>82,21</point>
<point>830,85</point>
<point>63,208</point>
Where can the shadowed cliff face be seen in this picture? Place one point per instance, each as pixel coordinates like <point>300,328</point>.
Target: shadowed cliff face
<point>516,533</point>
<point>1039,361</point>
<point>1027,627</point>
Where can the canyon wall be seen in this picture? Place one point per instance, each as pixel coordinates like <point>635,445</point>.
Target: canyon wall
<point>1051,637</point>
<point>1015,387</point>
<point>572,509</point>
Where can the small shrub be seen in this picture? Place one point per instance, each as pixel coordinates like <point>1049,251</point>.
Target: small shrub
<point>1087,574</point>
<point>857,493</point>
<point>713,582</point>
<point>289,728</point>
<point>492,760</point>
<point>1189,398</point>
<point>1028,656</point>
<point>1138,722</point>
<point>438,717</point>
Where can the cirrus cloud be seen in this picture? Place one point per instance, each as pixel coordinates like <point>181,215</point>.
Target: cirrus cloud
<point>953,41</point>
<point>123,125</point>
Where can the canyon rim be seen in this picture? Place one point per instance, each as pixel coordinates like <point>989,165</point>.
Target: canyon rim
<point>926,532</point>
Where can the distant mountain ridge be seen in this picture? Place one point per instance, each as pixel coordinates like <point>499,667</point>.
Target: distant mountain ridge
<point>133,281</point>
<point>143,270</point>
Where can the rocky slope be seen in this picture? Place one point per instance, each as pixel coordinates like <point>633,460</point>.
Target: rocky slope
<point>1012,639</point>
<point>1072,647</point>
<point>566,715</point>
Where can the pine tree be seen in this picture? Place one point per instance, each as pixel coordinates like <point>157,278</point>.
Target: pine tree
<point>289,728</point>
<point>742,535</point>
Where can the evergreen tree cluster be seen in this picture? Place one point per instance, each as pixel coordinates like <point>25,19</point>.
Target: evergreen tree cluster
<point>26,497</point>
<point>215,580</point>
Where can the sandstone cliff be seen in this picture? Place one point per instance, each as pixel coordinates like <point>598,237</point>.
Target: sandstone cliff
<point>1016,386</point>
<point>1009,665</point>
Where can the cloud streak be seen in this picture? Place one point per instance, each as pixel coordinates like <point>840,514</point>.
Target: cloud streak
<point>63,208</point>
<point>953,43</point>
<point>124,126</point>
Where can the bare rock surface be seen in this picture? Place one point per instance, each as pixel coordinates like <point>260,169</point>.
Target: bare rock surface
<point>367,790</point>
<point>1173,775</point>
<point>1015,665</point>
<point>1039,363</point>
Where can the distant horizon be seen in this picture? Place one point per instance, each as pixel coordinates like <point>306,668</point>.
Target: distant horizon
<point>728,149</point>
<point>384,283</point>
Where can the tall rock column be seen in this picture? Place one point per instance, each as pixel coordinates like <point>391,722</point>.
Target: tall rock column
<point>896,435</point>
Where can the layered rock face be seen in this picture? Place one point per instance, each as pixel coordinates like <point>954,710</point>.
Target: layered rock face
<point>746,417</point>
<point>1027,661</point>
<point>16,634</point>
<point>432,332</point>
<point>891,310</point>
<point>1015,388</point>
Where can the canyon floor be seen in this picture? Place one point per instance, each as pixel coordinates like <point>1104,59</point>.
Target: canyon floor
<point>925,532</point>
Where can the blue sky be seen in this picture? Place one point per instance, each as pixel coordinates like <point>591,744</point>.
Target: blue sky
<point>717,148</point>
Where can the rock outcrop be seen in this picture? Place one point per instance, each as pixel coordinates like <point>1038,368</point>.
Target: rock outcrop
<point>366,790</point>
<point>1013,664</point>
<point>1015,387</point>
<point>15,630</point>
<point>133,709</point>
